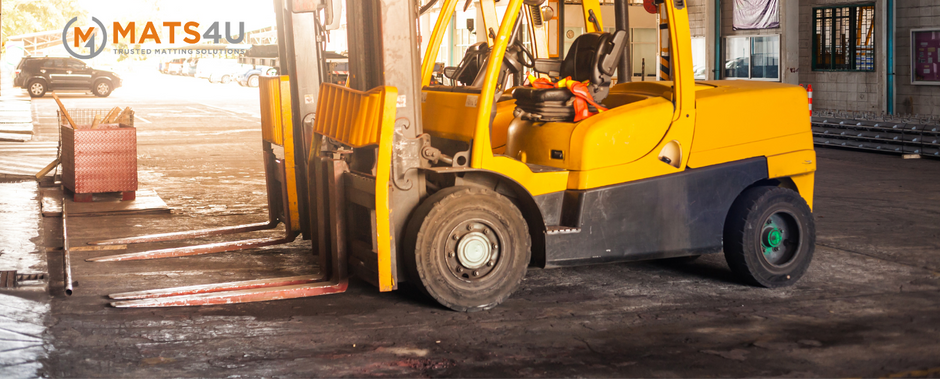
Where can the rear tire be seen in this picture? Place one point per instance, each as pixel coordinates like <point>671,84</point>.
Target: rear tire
<point>36,88</point>
<point>471,248</point>
<point>102,88</point>
<point>769,237</point>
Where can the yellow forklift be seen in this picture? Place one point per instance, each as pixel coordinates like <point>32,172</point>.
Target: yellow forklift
<point>403,180</point>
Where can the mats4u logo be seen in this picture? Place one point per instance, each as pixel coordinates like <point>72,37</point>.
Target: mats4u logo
<point>96,42</point>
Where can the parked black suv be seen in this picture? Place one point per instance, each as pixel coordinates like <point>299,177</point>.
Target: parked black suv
<point>40,74</point>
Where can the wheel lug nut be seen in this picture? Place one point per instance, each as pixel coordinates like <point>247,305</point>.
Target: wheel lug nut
<point>450,255</point>
<point>476,273</point>
<point>486,231</point>
<point>494,245</point>
<point>458,269</point>
<point>469,227</point>
<point>455,237</point>
<point>489,264</point>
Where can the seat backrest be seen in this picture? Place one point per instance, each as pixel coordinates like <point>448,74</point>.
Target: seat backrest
<point>594,57</point>
<point>472,63</point>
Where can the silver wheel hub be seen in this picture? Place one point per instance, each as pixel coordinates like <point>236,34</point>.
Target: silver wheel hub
<point>474,250</point>
<point>102,88</point>
<point>36,88</point>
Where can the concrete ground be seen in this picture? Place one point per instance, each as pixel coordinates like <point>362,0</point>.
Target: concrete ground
<point>867,307</point>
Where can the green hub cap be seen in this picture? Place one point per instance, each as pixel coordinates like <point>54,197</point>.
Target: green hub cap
<point>774,236</point>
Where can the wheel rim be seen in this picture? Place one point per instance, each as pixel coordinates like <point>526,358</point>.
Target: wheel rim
<point>472,250</point>
<point>253,81</point>
<point>35,89</point>
<point>103,88</point>
<point>780,239</point>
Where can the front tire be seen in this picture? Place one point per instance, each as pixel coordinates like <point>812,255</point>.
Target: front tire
<point>102,88</point>
<point>769,237</point>
<point>471,248</point>
<point>36,88</point>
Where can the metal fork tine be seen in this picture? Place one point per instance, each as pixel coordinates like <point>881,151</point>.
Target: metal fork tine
<point>217,287</point>
<point>188,234</point>
<point>195,250</point>
<point>238,296</point>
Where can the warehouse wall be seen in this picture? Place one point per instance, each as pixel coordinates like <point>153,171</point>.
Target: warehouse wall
<point>914,14</point>
<point>853,91</point>
<point>697,17</point>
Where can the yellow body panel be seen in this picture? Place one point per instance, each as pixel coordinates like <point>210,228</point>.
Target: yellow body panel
<point>799,166</point>
<point>805,184</point>
<point>449,114</point>
<point>742,112</point>
<point>619,136</point>
<point>536,183</point>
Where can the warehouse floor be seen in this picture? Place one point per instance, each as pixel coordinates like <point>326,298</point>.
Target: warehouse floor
<point>867,307</point>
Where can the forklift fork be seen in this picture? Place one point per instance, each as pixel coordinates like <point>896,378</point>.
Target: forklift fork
<point>333,278</point>
<point>372,125</point>
<point>281,188</point>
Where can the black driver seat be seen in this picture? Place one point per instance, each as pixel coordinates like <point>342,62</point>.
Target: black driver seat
<point>592,57</point>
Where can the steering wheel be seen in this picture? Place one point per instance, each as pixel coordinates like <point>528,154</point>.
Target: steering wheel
<point>528,59</point>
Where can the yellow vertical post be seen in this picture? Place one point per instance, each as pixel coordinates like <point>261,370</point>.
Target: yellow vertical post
<point>434,45</point>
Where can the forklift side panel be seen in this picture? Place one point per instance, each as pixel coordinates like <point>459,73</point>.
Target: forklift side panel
<point>674,215</point>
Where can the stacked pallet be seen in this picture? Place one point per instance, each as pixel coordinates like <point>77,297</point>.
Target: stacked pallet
<point>888,133</point>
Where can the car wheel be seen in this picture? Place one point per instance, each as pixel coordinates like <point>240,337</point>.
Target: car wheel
<point>36,88</point>
<point>226,79</point>
<point>769,237</point>
<point>212,81</point>
<point>253,81</point>
<point>471,248</point>
<point>102,88</point>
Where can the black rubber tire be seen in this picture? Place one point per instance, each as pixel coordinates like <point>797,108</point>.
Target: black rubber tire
<point>744,230</point>
<point>101,88</point>
<point>253,81</point>
<point>431,229</point>
<point>40,89</point>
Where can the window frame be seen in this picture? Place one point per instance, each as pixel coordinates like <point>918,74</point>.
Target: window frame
<point>853,29</point>
<point>750,55</point>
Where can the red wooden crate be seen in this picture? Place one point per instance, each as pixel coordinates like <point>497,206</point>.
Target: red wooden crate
<point>100,160</point>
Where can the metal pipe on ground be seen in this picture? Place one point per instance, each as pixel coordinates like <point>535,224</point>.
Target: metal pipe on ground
<point>66,259</point>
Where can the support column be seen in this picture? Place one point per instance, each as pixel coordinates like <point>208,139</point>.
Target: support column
<point>790,43</point>
<point>622,22</point>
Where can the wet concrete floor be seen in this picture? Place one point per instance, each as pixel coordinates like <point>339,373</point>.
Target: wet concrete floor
<point>867,307</point>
